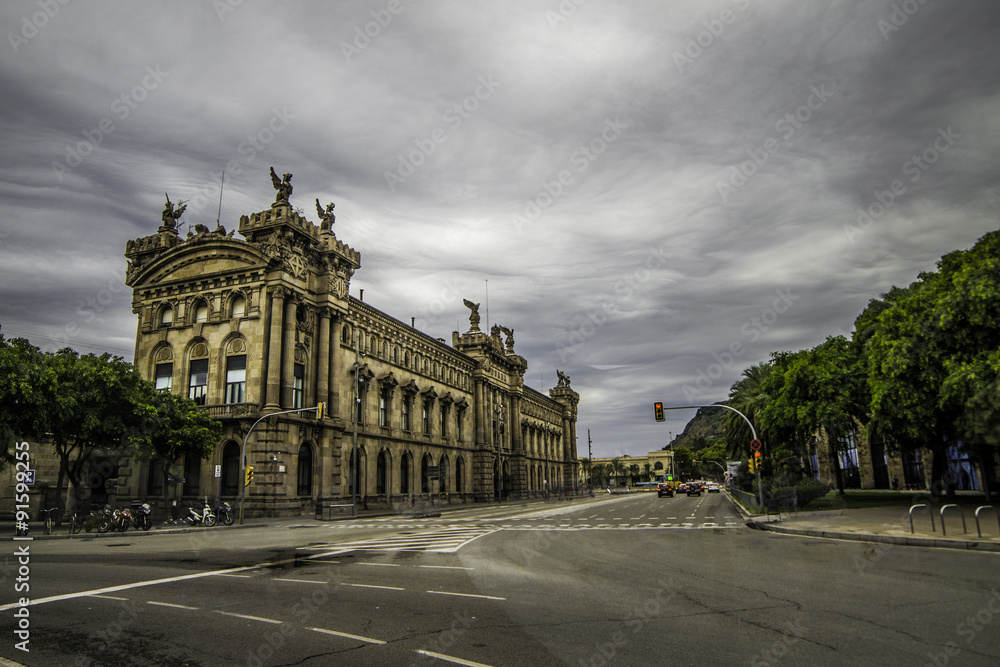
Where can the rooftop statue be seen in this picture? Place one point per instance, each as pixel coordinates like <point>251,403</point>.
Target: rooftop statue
<point>327,216</point>
<point>283,185</point>
<point>169,215</point>
<point>563,378</point>
<point>474,316</point>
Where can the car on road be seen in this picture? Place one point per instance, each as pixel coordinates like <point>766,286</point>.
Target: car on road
<point>713,487</point>
<point>665,489</point>
<point>693,488</point>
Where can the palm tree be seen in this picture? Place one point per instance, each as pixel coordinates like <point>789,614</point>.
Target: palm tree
<point>748,396</point>
<point>617,468</point>
<point>647,472</point>
<point>587,466</point>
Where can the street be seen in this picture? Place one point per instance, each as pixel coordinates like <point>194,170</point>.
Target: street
<point>625,580</point>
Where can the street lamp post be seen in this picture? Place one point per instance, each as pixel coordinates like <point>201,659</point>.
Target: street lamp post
<point>354,419</point>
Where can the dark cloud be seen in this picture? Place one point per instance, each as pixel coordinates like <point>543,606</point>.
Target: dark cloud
<point>636,183</point>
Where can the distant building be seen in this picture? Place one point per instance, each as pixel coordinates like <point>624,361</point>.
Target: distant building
<point>660,461</point>
<point>248,327</point>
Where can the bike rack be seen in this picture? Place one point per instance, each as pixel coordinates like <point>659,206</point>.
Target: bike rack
<point>944,531</point>
<point>929,513</point>
<point>986,507</point>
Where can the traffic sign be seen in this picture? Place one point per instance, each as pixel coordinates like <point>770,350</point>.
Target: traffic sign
<point>755,445</point>
<point>218,471</point>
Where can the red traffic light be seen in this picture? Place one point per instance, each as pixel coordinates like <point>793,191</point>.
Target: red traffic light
<point>658,412</point>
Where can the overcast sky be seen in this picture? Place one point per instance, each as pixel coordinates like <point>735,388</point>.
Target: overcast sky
<point>657,194</point>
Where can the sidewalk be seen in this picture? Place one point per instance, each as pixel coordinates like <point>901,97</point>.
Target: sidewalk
<point>37,532</point>
<point>887,525</point>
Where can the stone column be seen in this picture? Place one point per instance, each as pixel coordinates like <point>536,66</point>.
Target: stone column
<point>480,413</point>
<point>277,311</point>
<point>323,352</point>
<point>288,353</point>
<point>336,363</point>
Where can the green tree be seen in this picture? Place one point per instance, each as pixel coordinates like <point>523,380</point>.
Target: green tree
<point>617,469</point>
<point>821,388</point>
<point>647,472</point>
<point>749,397</point>
<point>934,353</point>
<point>22,396</point>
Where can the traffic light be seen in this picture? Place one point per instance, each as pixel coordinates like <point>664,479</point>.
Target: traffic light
<point>249,479</point>
<point>658,412</point>
<point>320,410</point>
<point>750,465</point>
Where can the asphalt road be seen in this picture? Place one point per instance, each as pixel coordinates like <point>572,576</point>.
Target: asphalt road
<point>626,580</point>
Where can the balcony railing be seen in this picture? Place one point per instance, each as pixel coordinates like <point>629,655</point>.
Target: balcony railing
<point>231,410</point>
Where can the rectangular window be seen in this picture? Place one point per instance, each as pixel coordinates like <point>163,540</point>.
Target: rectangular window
<point>383,408</point>
<point>444,421</point>
<point>458,424</point>
<point>198,384</point>
<point>298,386</point>
<point>427,418</point>
<point>406,413</point>
<point>236,378</point>
<point>164,376</point>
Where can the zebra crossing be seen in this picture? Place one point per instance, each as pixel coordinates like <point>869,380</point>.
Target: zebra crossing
<point>443,540</point>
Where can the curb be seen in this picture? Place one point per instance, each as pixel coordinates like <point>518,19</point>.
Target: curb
<point>966,545</point>
<point>130,533</point>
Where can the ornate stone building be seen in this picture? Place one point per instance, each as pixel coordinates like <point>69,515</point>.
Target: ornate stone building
<point>267,324</point>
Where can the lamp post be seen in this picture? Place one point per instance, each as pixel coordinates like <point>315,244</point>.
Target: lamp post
<point>354,419</point>
<point>497,435</point>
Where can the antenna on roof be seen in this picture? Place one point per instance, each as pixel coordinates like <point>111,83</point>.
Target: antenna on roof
<point>487,305</point>
<point>218,218</point>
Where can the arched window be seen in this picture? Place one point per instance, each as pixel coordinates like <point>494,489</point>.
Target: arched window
<point>381,470</point>
<point>425,474</point>
<point>157,473</point>
<point>166,316</point>
<point>305,470</point>
<point>404,474</point>
<point>192,475</point>
<point>443,475</point>
<point>201,311</point>
<point>238,307</point>
<point>231,469</point>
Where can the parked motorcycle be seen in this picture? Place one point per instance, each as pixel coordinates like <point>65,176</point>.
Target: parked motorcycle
<point>141,515</point>
<point>226,517</point>
<point>203,518</point>
<point>122,519</point>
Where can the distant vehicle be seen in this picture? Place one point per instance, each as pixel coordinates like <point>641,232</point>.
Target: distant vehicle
<point>713,487</point>
<point>665,489</point>
<point>693,488</point>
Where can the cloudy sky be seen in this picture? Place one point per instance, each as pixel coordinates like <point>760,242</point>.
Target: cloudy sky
<point>655,195</point>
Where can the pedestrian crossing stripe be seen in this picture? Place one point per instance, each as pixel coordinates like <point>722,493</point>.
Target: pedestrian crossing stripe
<point>445,540</point>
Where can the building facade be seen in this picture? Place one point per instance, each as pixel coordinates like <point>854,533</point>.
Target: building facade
<point>267,324</point>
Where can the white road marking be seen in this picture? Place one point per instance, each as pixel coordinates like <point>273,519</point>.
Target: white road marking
<point>385,588</point>
<point>303,581</point>
<point>467,595</point>
<point>108,597</point>
<point>171,604</point>
<point>347,635</point>
<point>451,658</point>
<point>445,567</point>
<point>248,617</point>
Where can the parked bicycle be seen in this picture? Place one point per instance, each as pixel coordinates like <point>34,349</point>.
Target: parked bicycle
<point>49,521</point>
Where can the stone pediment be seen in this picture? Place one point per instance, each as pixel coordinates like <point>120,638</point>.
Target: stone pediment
<point>188,262</point>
